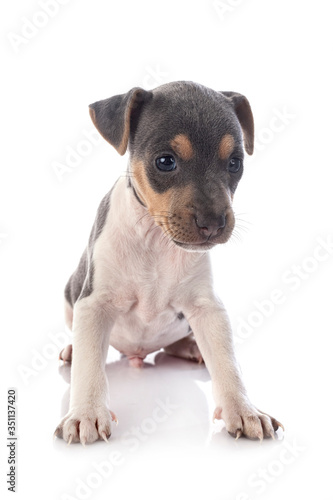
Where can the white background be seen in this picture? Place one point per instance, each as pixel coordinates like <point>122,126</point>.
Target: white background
<point>278,54</point>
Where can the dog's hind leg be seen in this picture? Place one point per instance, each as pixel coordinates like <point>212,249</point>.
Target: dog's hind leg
<point>66,353</point>
<point>185,348</point>
<point>68,315</point>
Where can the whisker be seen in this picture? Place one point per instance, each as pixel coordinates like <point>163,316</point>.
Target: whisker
<point>145,215</point>
<point>242,228</point>
<point>237,218</point>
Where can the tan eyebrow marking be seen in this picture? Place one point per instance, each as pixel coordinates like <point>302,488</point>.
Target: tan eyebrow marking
<point>182,146</point>
<point>226,146</point>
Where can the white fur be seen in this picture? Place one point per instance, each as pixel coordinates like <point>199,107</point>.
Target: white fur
<point>141,282</point>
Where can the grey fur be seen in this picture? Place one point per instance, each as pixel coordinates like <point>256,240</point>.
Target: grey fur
<point>81,282</point>
<point>148,120</point>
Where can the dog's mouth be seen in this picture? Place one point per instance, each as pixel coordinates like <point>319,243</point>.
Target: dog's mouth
<point>195,247</point>
<point>185,231</point>
<point>191,240</point>
<point>201,246</point>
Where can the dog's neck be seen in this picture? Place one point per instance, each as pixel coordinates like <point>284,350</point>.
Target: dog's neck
<point>130,186</point>
<point>141,231</point>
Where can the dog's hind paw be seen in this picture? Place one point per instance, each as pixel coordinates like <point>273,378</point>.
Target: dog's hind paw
<point>186,348</point>
<point>86,425</point>
<point>67,353</point>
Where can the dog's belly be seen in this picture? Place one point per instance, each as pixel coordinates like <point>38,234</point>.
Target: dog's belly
<point>136,334</point>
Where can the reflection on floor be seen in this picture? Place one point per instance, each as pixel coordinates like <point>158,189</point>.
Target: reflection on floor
<point>165,443</point>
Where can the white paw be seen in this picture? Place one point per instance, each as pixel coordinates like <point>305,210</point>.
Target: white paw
<point>86,425</point>
<point>243,419</point>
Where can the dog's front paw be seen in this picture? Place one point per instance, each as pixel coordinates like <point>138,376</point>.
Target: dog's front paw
<point>243,419</point>
<point>86,424</point>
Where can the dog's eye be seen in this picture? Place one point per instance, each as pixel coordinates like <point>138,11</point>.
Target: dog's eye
<point>166,163</point>
<point>234,165</point>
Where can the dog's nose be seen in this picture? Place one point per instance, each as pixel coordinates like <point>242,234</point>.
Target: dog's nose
<point>210,226</point>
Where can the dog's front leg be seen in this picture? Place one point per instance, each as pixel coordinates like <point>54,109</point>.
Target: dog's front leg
<point>88,418</point>
<point>210,325</point>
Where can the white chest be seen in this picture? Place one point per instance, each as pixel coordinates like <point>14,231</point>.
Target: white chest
<point>139,272</point>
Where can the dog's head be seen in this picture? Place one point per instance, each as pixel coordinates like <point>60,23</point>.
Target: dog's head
<point>186,145</point>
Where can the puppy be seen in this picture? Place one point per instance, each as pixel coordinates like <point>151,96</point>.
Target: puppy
<point>144,282</point>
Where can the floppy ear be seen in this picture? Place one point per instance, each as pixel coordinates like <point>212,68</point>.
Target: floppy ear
<point>112,116</point>
<point>244,114</point>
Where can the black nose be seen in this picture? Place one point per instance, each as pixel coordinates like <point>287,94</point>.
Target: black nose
<point>210,225</point>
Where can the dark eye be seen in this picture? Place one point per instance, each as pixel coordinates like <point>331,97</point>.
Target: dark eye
<point>234,165</point>
<point>166,163</point>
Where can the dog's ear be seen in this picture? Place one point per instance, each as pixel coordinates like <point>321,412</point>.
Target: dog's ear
<point>112,117</point>
<point>244,114</point>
